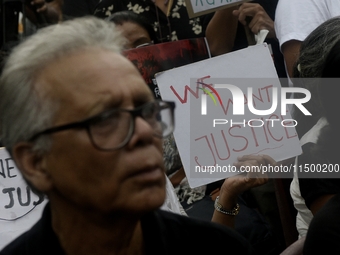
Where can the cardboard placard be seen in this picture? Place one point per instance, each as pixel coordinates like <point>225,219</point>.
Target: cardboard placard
<point>20,208</point>
<point>200,7</point>
<point>235,133</point>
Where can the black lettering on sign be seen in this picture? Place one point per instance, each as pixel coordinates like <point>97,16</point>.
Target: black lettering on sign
<point>2,169</point>
<point>6,166</point>
<point>11,198</point>
<point>41,199</point>
<point>9,168</point>
<point>28,197</point>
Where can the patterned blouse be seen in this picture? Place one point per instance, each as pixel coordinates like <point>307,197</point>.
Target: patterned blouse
<point>176,26</point>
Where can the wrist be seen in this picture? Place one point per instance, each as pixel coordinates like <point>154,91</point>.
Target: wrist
<point>226,209</point>
<point>229,195</point>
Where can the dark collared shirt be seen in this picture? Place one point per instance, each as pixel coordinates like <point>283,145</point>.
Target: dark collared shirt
<point>164,233</point>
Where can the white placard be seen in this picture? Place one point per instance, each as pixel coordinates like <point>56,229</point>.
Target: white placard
<point>235,134</point>
<point>18,204</point>
<point>199,7</point>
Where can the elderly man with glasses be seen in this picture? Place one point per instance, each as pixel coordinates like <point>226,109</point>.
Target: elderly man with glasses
<point>84,129</point>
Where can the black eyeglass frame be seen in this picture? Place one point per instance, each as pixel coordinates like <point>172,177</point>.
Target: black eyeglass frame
<point>137,112</point>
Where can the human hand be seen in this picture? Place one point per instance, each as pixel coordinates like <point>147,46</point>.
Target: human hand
<point>40,6</point>
<point>260,19</point>
<point>235,185</point>
<point>41,13</point>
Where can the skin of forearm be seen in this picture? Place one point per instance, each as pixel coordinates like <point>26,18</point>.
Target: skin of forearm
<point>221,31</point>
<point>291,51</point>
<point>54,11</point>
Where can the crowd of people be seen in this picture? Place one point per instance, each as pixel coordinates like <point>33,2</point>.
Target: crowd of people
<point>107,185</point>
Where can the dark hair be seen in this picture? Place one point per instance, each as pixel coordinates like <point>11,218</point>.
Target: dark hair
<point>329,137</point>
<point>129,16</point>
<point>330,85</point>
<point>309,69</point>
<point>332,63</point>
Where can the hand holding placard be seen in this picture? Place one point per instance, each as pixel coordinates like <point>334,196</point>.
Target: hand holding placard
<point>247,121</point>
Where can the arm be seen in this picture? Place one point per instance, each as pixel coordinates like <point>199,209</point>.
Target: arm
<point>294,21</point>
<point>291,51</point>
<point>51,12</point>
<point>226,21</point>
<point>221,31</point>
<point>54,10</point>
<point>234,186</point>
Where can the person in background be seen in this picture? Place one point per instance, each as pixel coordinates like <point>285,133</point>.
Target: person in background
<point>65,10</point>
<point>134,28</point>
<point>94,147</point>
<point>230,29</point>
<point>42,13</point>
<point>295,20</point>
<point>309,193</point>
<point>323,233</point>
<point>309,66</point>
<point>234,28</point>
<point>169,19</point>
<point>19,19</point>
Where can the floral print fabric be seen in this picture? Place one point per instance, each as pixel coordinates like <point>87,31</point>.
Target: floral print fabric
<point>176,26</point>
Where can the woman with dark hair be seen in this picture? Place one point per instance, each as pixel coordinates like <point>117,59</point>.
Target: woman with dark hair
<point>318,133</point>
<point>134,28</point>
<point>309,67</point>
<point>324,233</point>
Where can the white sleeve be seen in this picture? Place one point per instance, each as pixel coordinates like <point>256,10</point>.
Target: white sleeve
<point>171,203</point>
<point>296,19</point>
<point>304,215</point>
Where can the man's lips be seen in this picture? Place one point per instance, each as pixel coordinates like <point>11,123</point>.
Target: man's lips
<point>148,174</point>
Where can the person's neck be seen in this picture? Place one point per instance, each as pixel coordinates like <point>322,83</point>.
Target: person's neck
<point>81,232</point>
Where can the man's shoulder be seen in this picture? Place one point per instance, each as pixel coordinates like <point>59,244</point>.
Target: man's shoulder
<point>24,243</point>
<point>201,234</point>
<point>40,239</point>
<point>181,221</point>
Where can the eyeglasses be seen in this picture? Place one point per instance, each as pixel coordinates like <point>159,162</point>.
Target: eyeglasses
<point>113,129</point>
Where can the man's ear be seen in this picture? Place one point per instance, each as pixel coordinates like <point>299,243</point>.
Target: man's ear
<point>32,166</point>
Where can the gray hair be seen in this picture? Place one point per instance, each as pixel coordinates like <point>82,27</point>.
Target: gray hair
<point>316,47</point>
<point>23,109</point>
<point>309,67</point>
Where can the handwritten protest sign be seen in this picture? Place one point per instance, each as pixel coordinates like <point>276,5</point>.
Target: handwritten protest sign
<point>20,208</point>
<point>200,7</point>
<point>228,106</point>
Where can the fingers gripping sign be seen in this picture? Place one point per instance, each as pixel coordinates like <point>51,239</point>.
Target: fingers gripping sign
<point>249,179</point>
<point>259,18</point>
